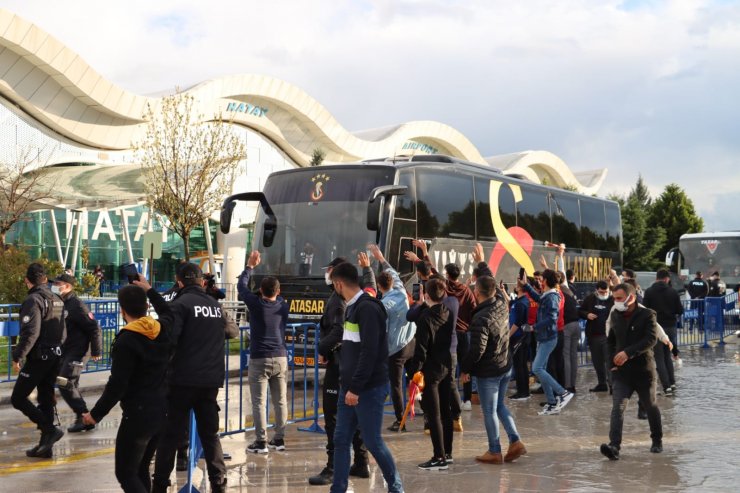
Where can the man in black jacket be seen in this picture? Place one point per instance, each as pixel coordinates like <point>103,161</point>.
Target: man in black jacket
<point>330,342</point>
<point>196,374</point>
<point>41,336</point>
<point>490,360</point>
<point>595,310</point>
<point>83,334</point>
<point>664,300</point>
<point>698,287</point>
<point>139,356</point>
<point>632,335</point>
<point>432,357</point>
<point>717,286</point>
<point>364,384</point>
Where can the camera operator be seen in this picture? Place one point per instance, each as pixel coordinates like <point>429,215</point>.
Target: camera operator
<point>210,287</point>
<point>39,343</point>
<point>83,334</point>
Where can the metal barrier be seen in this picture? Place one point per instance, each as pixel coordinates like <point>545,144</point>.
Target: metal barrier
<point>106,312</point>
<point>303,362</point>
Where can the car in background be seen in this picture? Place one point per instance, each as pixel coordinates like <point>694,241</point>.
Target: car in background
<point>645,279</point>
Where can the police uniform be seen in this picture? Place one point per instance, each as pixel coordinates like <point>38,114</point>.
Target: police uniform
<point>195,375</point>
<point>698,289</point>
<point>717,288</point>
<point>39,343</point>
<point>83,333</point>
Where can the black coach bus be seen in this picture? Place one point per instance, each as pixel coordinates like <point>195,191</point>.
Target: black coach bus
<point>309,216</point>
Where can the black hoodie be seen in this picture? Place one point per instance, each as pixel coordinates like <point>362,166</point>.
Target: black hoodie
<point>432,354</point>
<point>664,300</point>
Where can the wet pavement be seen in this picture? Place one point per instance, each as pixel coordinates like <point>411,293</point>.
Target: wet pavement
<point>701,447</point>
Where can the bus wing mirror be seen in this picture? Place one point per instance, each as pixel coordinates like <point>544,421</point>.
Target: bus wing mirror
<point>375,202</point>
<point>269,230</point>
<point>227,209</point>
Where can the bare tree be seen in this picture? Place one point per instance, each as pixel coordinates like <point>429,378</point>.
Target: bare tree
<point>22,184</point>
<point>188,163</point>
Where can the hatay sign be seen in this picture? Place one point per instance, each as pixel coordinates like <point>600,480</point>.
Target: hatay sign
<point>104,228</point>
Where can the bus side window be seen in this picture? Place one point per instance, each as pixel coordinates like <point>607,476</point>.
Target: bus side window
<point>566,220</point>
<point>445,206</point>
<point>593,224</point>
<point>613,228</point>
<point>533,213</point>
<point>506,207</point>
<point>405,267</point>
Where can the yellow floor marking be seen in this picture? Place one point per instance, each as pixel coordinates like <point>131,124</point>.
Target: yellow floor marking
<point>15,468</point>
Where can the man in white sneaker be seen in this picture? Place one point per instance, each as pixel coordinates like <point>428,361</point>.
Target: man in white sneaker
<point>268,362</point>
<point>546,333</point>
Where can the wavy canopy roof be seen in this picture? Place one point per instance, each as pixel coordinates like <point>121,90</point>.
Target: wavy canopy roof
<point>55,86</point>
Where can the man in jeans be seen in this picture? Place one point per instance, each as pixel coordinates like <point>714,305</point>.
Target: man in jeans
<point>268,362</point>
<point>400,331</point>
<point>519,343</point>
<point>546,333</point>
<point>489,360</point>
<point>364,370</point>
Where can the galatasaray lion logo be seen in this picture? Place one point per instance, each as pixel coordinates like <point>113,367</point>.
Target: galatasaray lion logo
<point>319,183</point>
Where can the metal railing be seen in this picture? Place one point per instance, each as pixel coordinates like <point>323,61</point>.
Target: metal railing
<point>106,312</point>
<point>303,380</point>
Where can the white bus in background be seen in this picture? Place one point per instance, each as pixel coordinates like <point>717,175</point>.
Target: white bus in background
<point>708,253</point>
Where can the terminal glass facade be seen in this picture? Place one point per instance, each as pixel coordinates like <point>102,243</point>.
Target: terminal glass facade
<point>101,237</point>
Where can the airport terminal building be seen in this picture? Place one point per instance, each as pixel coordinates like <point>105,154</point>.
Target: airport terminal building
<point>58,112</point>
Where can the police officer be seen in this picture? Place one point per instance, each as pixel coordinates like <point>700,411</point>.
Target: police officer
<point>717,286</point>
<point>83,334</point>
<point>39,343</point>
<point>698,287</point>
<point>196,373</point>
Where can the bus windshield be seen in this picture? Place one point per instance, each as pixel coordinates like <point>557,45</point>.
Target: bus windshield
<point>321,214</point>
<point>709,255</point>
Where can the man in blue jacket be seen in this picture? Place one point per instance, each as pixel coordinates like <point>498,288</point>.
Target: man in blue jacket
<point>400,331</point>
<point>364,380</point>
<point>546,333</point>
<point>268,362</point>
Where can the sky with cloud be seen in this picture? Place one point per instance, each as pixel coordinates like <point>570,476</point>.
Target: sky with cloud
<point>645,87</point>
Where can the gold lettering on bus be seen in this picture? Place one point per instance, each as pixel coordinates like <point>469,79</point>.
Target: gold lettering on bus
<point>588,269</point>
<point>308,307</point>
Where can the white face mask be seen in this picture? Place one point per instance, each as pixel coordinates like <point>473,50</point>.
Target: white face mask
<point>327,278</point>
<point>602,297</point>
<point>621,306</point>
<point>56,289</point>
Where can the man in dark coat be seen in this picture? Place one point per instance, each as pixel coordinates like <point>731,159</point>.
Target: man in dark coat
<point>632,335</point>
<point>83,335</point>
<point>666,303</point>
